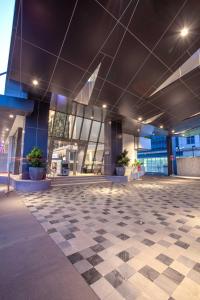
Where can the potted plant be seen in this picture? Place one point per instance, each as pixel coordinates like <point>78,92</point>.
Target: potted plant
<point>137,164</point>
<point>36,168</point>
<point>122,162</point>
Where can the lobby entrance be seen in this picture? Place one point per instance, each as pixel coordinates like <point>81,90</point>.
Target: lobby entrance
<point>76,158</point>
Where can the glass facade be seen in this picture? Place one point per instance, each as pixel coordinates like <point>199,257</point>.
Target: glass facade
<point>83,127</point>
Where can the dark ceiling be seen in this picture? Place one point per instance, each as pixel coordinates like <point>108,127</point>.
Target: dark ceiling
<point>137,42</point>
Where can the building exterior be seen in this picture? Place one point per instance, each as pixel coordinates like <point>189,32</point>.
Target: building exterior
<point>156,159</point>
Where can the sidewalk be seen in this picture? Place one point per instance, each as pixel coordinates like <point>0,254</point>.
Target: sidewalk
<point>32,266</point>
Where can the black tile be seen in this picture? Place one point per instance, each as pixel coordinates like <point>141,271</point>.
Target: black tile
<point>99,239</point>
<point>149,273</point>
<point>150,231</point>
<point>182,244</point>
<point>97,248</point>
<point>114,278</point>
<point>95,260</point>
<point>124,255</point>
<point>75,257</point>
<point>91,276</point>
<point>123,236</point>
<point>164,259</point>
<point>148,242</point>
<point>174,275</point>
<point>51,230</point>
<point>175,236</point>
<point>122,224</point>
<point>101,231</point>
<point>197,267</point>
<point>69,236</point>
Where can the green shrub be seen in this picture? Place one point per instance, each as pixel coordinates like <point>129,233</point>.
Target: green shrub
<point>123,159</point>
<point>35,158</point>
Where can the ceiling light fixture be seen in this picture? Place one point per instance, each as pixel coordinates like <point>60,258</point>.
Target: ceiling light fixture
<point>161,126</point>
<point>104,105</point>
<point>173,131</point>
<point>92,117</point>
<point>140,119</point>
<point>7,129</point>
<point>184,32</point>
<point>138,130</point>
<point>11,116</point>
<point>35,82</point>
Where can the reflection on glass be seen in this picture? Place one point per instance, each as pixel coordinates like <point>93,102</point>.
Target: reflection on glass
<point>77,128</point>
<point>51,119</point>
<point>99,154</point>
<point>85,129</point>
<point>101,137</point>
<point>90,157</point>
<point>95,131</point>
<point>71,124</point>
<point>59,124</point>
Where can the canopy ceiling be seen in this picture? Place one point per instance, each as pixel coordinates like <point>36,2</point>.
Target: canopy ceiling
<point>61,43</point>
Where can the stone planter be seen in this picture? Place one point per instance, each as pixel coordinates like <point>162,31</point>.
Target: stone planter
<point>36,173</point>
<point>120,171</point>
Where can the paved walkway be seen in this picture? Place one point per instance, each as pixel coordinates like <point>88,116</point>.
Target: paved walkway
<point>31,265</point>
<point>137,241</point>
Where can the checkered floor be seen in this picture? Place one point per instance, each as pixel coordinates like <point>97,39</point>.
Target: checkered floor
<point>136,241</point>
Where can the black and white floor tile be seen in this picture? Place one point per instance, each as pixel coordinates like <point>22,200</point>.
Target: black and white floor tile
<point>136,241</point>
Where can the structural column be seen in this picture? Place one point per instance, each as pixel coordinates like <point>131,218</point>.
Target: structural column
<point>171,155</point>
<point>113,145</point>
<point>35,133</point>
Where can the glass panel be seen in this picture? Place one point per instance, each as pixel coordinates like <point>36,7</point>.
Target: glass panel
<point>71,124</point>
<point>59,124</point>
<point>51,119</point>
<point>89,157</point>
<point>99,154</point>
<point>67,127</point>
<point>101,138</point>
<point>77,128</point>
<point>85,129</point>
<point>95,131</point>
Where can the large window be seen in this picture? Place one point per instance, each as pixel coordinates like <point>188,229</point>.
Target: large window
<point>190,140</point>
<point>155,164</point>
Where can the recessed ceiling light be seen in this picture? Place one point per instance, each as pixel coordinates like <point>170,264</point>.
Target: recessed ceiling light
<point>11,116</point>
<point>35,82</point>
<point>173,130</point>
<point>140,119</point>
<point>104,105</point>
<point>184,31</point>
<point>161,126</point>
<point>92,117</point>
<point>7,129</point>
<point>138,130</point>
<point>183,134</point>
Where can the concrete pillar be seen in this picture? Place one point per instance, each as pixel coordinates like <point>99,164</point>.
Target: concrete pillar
<point>113,145</point>
<point>17,151</point>
<point>36,133</point>
<point>171,155</point>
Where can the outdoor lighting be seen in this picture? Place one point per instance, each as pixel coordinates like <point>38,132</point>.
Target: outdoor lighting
<point>161,126</point>
<point>184,31</point>
<point>11,116</point>
<point>35,82</point>
<point>140,119</point>
<point>104,105</point>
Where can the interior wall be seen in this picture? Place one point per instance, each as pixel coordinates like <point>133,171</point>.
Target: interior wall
<point>188,166</point>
